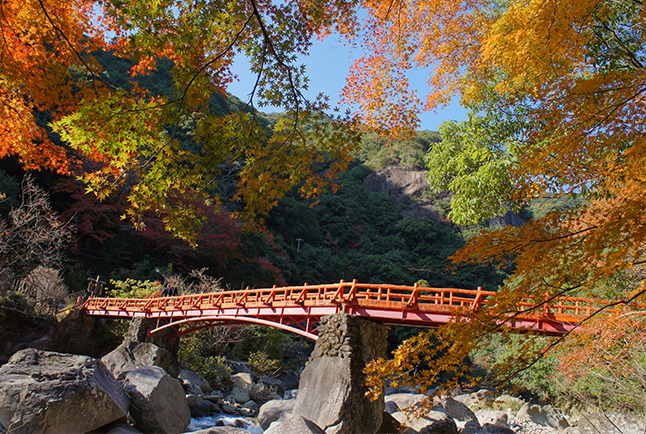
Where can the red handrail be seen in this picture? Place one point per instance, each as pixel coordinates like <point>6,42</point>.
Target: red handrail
<point>349,293</point>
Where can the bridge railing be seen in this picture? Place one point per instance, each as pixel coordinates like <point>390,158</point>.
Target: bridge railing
<point>337,293</point>
<point>349,293</point>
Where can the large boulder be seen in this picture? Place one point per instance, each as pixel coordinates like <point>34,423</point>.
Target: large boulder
<point>242,387</point>
<point>197,406</point>
<point>493,417</point>
<point>457,410</point>
<point>132,355</point>
<point>272,410</point>
<point>48,392</point>
<point>332,391</point>
<point>294,424</point>
<point>442,426</point>
<point>431,421</point>
<point>158,401</point>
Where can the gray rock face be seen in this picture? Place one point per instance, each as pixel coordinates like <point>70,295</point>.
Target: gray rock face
<point>332,391</point>
<point>294,424</point>
<point>398,183</point>
<point>404,185</point>
<point>272,410</point>
<point>158,403</point>
<point>132,355</point>
<point>47,392</point>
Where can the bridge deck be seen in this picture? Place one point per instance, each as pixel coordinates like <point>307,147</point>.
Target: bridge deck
<point>299,308</point>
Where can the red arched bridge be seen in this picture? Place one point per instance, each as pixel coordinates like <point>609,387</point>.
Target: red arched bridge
<point>299,308</point>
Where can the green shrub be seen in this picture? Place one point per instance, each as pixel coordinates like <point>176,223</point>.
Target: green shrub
<point>261,364</point>
<point>500,354</point>
<point>131,288</point>
<point>269,340</point>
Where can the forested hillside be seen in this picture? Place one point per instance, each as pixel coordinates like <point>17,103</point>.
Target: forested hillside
<point>347,234</point>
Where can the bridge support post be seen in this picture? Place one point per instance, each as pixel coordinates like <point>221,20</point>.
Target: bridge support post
<point>332,390</point>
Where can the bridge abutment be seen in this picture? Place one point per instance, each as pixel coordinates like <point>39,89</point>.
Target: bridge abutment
<point>332,391</point>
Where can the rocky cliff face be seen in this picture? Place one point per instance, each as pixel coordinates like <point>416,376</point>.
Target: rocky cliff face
<point>405,186</point>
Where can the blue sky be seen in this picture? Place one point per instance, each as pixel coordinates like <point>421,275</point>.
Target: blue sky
<point>327,67</point>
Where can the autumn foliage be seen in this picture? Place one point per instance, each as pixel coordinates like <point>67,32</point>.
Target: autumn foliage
<point>556,93</point>
<point>63,114</point>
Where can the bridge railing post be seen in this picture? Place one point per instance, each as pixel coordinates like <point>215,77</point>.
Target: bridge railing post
<point>338,296</point>
<point>352,295</point>
<point>477,302</point>
<point>413,296</point>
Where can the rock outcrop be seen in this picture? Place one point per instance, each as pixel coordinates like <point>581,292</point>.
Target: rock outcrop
<point>42,391</point>
<point>332,391</point>
<point>397,183</point>
<point>158,402</point>
<point>400,184</point>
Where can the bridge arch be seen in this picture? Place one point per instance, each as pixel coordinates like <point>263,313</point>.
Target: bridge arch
<point>214,321</point>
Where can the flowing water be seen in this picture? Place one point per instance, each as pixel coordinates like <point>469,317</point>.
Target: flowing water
<point>199,423</point>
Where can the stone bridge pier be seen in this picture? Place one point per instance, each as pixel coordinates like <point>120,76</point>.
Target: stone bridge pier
<point>332,391</point>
